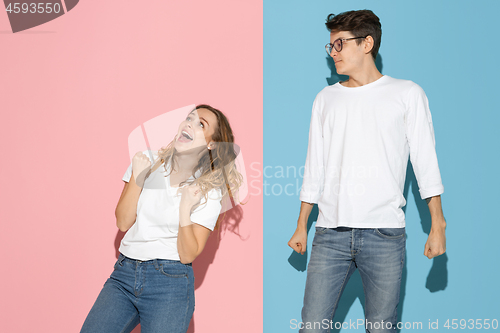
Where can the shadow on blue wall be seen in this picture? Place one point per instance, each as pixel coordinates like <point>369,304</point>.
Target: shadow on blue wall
<point>334,77</point>
<point>437,278</point>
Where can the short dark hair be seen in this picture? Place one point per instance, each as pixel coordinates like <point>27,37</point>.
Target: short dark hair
<point>360,23</point>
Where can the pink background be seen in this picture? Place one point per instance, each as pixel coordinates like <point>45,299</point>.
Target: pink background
<point>71,91</point>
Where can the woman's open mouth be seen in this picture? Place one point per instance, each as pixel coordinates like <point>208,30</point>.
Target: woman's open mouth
<point>185,137</point>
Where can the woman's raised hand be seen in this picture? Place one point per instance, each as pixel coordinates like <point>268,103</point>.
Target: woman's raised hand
<point>191,195</point>
<point>140,165</point>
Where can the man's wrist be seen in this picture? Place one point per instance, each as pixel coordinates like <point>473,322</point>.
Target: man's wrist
<point>301,223</point>
<point>438,224</point>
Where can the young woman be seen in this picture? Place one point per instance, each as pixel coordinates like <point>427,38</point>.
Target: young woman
<point>170,203</point>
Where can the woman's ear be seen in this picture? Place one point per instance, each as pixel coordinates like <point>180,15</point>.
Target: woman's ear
<point>211,145</point>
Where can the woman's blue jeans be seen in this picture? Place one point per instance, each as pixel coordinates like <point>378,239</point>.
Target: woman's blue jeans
<point>336,253</point>
<point>158,294</point>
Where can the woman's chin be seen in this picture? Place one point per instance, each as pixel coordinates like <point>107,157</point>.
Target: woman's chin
<point>188,147</point>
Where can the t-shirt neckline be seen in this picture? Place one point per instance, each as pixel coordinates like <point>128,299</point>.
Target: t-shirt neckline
<point>167,178</point>
<point>368,85</point>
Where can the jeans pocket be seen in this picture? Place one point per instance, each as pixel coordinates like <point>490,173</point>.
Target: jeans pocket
<point>390,233</point>
<point>321,230</point>
<point>173,270</point>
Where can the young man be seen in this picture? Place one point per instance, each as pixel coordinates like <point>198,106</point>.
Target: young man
<point>362,132</point>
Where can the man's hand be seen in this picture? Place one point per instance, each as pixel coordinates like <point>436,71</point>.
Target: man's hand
<point>436,242</point>
<point>298,242</point>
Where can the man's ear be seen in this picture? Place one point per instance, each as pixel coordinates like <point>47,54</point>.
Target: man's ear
<point>369,42</point>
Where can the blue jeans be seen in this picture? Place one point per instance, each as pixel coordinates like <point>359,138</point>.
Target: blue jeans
<point>158,294</point>
<point>336,253</point>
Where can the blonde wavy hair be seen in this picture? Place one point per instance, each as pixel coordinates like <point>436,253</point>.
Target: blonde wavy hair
<point>217,165</point>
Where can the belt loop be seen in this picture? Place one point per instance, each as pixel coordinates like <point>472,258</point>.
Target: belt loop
<point>121,257</point>
<point>155,262</point>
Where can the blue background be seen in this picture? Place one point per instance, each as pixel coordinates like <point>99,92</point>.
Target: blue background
<point>451,49</point>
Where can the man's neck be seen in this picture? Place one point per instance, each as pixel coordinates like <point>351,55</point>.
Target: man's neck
<point>362,77</point>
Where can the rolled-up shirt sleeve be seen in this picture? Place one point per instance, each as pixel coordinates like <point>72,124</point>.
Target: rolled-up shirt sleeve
<point>313,182</point>
<point>421,141</point>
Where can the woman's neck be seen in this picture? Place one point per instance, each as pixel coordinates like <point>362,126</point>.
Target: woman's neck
<point>185,162</point>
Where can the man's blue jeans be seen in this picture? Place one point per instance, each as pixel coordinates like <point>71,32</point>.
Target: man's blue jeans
<point>157,293</point>
<point>336,253</point>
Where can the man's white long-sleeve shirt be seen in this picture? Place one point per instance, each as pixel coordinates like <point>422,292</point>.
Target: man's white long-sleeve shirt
<point>359,142</point>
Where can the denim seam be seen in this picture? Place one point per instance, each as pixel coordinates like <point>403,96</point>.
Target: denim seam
<point>354,251</point>
<point>400,279</point>
<point>187,303</point>
<point>360,244</point>
<point>340,291</point>
<point>126,326</point>
<point>403,257</point>
<point>364,293</point>
<point>137,294</point>
<point>352,245</point>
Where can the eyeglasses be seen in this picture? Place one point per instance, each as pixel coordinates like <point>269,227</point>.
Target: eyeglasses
<point>338,44</point>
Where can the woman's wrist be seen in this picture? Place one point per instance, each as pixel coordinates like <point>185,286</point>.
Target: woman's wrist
<point>184,216</point>
<point>184,208</point>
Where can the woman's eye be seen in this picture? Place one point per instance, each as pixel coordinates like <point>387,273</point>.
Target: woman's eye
<point>201,124</point>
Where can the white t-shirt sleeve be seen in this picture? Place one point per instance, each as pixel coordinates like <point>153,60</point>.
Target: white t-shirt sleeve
<point>313,182</point>
<point>128,174</point>
<point>420,136</point>
<point>208,212</point>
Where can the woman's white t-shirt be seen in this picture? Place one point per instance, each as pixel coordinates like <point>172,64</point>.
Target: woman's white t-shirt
<point>154,233</point>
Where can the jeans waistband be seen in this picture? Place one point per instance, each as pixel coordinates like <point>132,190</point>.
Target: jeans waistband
<point>340,229</point>
<point>155,262</point>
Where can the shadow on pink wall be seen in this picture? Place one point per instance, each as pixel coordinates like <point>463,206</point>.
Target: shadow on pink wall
<point>230,223</point>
